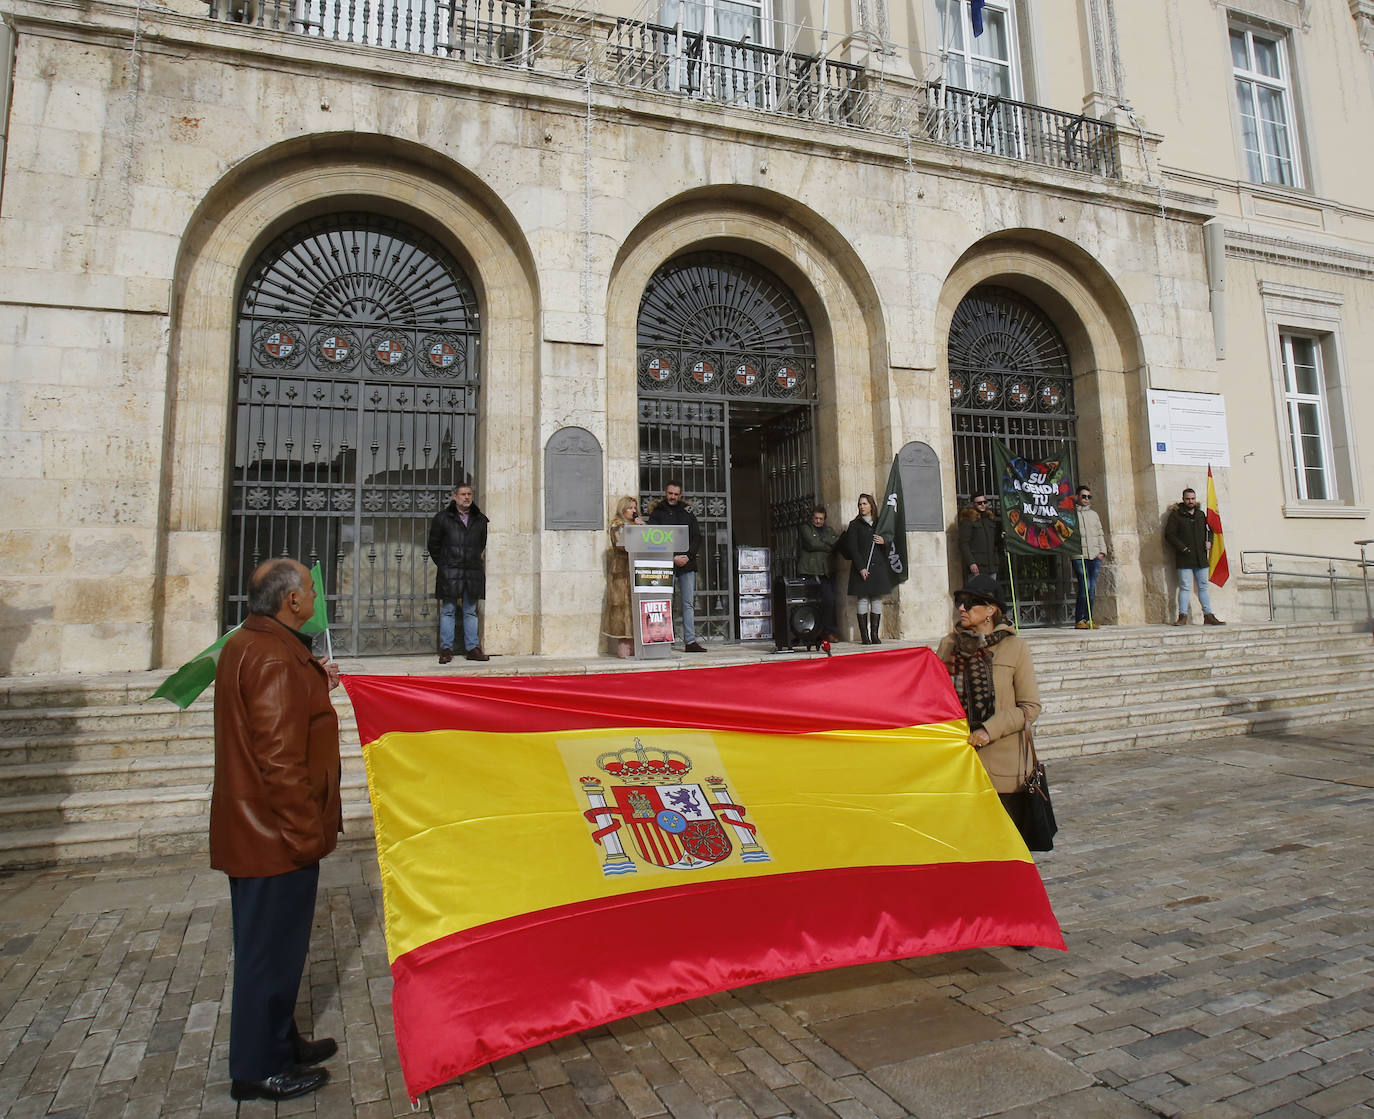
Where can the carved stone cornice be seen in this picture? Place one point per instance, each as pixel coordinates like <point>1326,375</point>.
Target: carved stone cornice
<point>1363,13</point>
<point>1301,254</point>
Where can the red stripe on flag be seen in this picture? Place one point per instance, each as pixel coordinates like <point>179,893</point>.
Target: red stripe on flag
<point>893,688</point>
<point>578,966</point>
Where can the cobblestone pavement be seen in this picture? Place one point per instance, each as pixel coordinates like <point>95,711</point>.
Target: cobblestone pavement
<point>1216,899</point>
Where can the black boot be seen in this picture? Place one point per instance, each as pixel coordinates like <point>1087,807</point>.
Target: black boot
<point>875,623</point>
<point>863,630</point>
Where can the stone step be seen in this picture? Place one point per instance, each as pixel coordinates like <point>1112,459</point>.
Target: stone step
<point>1061,674</point>
<point>1090,700</point>
<point>1273,720</point>
<point>141,772</point>
<point>1075,719</point>
<point>107,839</point>
<point>189,803</point>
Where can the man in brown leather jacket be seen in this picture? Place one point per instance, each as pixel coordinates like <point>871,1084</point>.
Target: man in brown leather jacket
<point>274,814</point>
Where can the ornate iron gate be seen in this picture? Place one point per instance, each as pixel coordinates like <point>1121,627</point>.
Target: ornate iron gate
<point>1009,379</point>
<point>355,414</point>
<point>721,339</point>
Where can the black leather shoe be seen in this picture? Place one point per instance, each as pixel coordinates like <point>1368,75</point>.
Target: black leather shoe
<point>284,1086</point>
<point>445,655</point>
<point>313,1052</point>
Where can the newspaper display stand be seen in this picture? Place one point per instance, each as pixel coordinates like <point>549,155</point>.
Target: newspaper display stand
<point>651,548</point>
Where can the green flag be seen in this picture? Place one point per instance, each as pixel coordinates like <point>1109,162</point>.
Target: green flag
<point>891,524</point>
<point>319,621</point>
<point>187,682</point>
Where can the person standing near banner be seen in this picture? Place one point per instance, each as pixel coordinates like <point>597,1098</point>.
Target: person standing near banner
<point>980,538</point>
<point>275,812</point>
<point>1186,533</point>
<point>1088,566</point>
<point>990,666</point>
<point>616,619</point>
<point>816,544</point>
<point>870,574</point>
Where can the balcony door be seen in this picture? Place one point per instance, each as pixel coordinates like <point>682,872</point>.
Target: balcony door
<point>980,72</point>
<point>726,53</point>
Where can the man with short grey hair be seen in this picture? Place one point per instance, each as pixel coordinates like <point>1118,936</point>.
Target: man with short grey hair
<point>275,812</point>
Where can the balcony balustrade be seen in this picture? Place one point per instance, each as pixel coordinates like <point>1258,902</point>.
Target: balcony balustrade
<point>633,54</point>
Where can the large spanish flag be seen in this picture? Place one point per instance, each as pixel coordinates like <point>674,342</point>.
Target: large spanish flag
<point>560,851</point>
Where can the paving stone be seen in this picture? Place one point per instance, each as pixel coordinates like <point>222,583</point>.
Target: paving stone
<point>895,1033</point>
<point>981,1079</point>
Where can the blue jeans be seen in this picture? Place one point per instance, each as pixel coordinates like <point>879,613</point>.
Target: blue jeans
<point>687,591</point>
<point>1083,608</point>
<point>448,616</point>
<point>1186,577</point>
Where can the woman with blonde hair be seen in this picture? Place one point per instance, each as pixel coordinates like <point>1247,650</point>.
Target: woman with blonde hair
<point>616,621</point>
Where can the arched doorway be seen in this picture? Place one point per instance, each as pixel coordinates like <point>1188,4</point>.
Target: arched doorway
<point>727,399</point>
<point>1010,380</point>
<point>356,359</point>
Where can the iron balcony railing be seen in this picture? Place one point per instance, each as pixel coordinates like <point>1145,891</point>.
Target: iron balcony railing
<point>671,60</point>
<point>984,122</point>
<point>633,54</point>
<point>487,31</point>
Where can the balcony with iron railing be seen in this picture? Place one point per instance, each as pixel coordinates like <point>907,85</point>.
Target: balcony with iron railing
<point>635,55</point>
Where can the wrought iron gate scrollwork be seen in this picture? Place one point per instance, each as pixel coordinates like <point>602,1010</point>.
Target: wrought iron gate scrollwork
<point>355,414</point>
<point>1009,379</point>
<point>722,344</point>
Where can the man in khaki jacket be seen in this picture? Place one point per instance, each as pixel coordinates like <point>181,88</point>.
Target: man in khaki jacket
<point>1086,570</point>
<point>274,814</point>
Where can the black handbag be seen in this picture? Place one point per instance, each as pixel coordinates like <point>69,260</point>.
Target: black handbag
<point>1035,818</point>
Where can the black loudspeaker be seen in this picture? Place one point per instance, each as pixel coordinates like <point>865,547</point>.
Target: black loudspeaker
<point>796,614</point>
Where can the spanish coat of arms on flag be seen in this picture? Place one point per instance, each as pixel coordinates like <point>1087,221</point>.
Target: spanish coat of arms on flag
<point>559,852</point>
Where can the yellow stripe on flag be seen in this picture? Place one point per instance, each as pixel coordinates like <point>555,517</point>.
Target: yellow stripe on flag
<point>505,832</point>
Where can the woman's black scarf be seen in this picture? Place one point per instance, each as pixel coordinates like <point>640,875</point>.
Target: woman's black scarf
<point>971,671</point>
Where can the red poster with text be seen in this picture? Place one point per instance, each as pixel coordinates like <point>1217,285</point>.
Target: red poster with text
<point>656,621</point>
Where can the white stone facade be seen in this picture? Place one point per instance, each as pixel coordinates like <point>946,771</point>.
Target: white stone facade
<point>152,154</point>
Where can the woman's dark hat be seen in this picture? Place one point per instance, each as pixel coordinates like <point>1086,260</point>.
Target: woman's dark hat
<point>983,588</point>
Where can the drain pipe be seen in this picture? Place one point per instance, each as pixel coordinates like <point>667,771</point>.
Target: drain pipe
<point>6,90</point>
<point>1214,251</point>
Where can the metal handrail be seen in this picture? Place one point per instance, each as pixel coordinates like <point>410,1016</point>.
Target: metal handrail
<point>1331,576</point>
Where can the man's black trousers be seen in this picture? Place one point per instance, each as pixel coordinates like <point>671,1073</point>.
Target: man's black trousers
<point>272,919</point>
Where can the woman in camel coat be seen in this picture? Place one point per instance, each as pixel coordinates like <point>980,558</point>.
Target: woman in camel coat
<point>993,674</point>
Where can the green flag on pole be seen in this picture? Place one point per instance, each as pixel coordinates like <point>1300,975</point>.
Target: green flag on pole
<point>184,685</point>
<point>187,682</point>
<point>319,621</point>
<point>891,524</point>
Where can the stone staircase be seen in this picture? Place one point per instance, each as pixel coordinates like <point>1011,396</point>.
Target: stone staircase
<point>90,770</point>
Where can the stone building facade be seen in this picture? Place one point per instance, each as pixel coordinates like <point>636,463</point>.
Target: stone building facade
<point>273,280</point>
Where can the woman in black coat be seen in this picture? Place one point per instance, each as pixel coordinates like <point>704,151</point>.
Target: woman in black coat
<point>870,577</point>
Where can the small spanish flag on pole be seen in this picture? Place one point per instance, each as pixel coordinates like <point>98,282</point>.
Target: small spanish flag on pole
<point>1218,571</point>
<point>557,852</point>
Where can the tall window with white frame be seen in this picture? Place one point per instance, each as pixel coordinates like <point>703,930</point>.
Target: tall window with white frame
<point>1309,425</point>
<point>985,63</point>
<point>1264,100</point>
<point>980,72</point>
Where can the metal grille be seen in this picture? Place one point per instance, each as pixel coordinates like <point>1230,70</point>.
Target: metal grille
<point>355,414</point>
<point>1009,379</point>
<point>722,344</point>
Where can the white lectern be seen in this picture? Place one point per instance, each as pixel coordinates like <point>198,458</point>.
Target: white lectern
<point>651,549</point>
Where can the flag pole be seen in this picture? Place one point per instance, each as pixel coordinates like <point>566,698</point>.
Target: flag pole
<point>1011,578</point>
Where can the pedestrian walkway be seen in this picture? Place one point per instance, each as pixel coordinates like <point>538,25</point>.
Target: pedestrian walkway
<point>1217,899</point>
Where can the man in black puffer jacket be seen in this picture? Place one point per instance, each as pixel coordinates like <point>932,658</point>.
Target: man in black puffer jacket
<point>457,539</point>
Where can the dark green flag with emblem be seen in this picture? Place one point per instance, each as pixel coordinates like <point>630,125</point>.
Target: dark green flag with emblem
<point>890,524</point>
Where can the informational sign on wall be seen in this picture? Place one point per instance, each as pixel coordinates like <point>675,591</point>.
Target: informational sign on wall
<point>1187,428</point>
